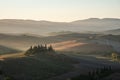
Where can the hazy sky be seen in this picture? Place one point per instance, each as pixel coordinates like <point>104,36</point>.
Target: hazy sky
<point>59,10</point>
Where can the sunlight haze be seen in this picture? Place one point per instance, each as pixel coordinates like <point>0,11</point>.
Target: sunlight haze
<point>59,10</point>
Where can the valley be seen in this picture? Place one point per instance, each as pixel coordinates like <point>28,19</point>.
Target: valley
<point>45,50</point>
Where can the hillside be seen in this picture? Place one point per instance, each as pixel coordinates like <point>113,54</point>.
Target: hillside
<point>43,27</point>
<point>83,47</point>
<point>111,37</point>
<point>23,42</point>
<point>60,33</point>
<point>76,42</point>
<point>114,32</point>
<point>7,50</point>
<point>39,66</point>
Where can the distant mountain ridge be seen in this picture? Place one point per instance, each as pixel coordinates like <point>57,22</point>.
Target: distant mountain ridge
<point>43,27</point>
<point>98,19</point>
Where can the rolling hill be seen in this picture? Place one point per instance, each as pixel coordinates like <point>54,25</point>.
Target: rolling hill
<point>114,32</point>
<point>43,27</point>
<point>76,42</point>
<point>7,50</point>
<point>23,42</point>
<point>83,47</point>
<point>36,67</point>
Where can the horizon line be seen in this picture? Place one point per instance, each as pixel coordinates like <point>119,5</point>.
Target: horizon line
<point>57,21</point>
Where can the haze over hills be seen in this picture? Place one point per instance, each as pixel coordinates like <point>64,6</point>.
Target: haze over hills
<point>59,40</point>
<point>114,32</point>
<point>77,42</point>
<point>66,40</point>
<point>43,27</point>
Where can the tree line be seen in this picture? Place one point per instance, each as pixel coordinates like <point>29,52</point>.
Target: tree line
<point>97,74</point>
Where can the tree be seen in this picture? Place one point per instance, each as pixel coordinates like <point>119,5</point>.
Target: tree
<point>29,51</point>
<point>50,48</point>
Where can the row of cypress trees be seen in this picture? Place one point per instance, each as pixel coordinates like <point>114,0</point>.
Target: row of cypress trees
<point>97,74</point>
<point>100,73</point>
<point>39,49</point>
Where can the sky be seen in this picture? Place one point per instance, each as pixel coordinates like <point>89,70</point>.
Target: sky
<point>59,10</point>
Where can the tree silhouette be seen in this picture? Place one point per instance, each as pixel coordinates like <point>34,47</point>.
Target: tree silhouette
<point>50,48</point>
<point>39,49</point>
<point>97,74</point>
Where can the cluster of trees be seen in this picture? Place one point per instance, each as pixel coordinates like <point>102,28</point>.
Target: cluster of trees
<point>39,49</point>
<point>98,74</point>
